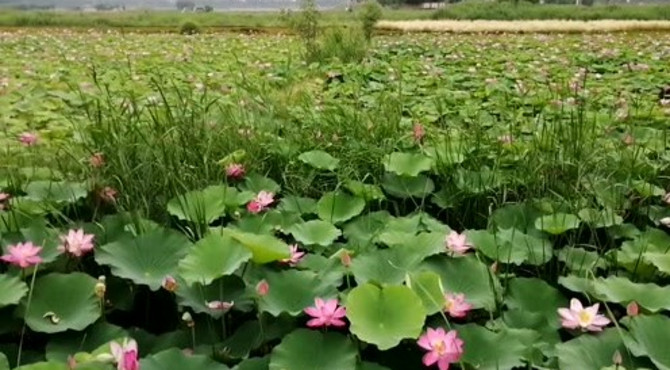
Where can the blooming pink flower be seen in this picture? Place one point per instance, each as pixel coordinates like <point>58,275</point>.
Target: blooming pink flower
<point>219,305</point>
<point>325,313</point>
<point>76,243</point>
<point>261,202</point>
<point>457,243</point>
<point>444,348</point>
<point>455,305</point>
<point>587,319</point>
<point>418,132</point>
<point>235,171</point>
<point>666,197</point>
<point>23,255</point>
<point>263,288</point>
<point>169,283</point>
<point>295,255</point>
<point>97,160</point>
<point>125,355</point>
<point>265,198</point>
<point>28,138</point>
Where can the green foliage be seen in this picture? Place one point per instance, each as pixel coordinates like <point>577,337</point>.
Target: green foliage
<point>189,28</point>
<point>369,15</point>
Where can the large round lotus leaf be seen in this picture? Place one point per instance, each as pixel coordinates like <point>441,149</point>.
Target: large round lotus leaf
<point>205,206</point>
<point>557,223</point>
<point>310,350</point>
<point>581,260</point>
<point>315,232</point>
<point>407,187</point>
<point>536,296</point>
<point>496,249</point>
<point>365,228</point>
<point>536,251</point>
<point>264,248</point>
<point>62,345</point>
<point>44,366</point>
<point>11,290</point>
<point>254,363</point>
<point>256,183</point>
<point>486,350</point>
<point>319,160</point>
<point>55,191</point>
<point>366,191</point>
<point>385,316</point>
<point>292,290</point>
<point>389,266</point>
<point>268,222</point>
<point>621,290</point>
<point>600,218</point>
<point>649,337</point>
<point>248,337</point>
<point>407,164</point>
<point>212,257</point>
<point>175,358</point>
<point>647,190</point>
<point>660,260</point>
<point>428,287</point>
<point>518,216</point>
<point>227,289</point>
<point>49,312</point>
<point>337,207</point>
<point>592,351</point>
<point>145,259</point>
<point>4,363</point>
<point>466,275</point>
<point>297,205</point>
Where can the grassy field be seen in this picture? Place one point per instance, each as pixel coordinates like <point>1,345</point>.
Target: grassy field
<point>523,26</point>
<point>171,20</point>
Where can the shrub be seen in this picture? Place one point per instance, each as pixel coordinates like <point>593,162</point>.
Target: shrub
<point>346,44</point>
<point>189,28</point>
<point>306,25</point>
<point>371,12</point>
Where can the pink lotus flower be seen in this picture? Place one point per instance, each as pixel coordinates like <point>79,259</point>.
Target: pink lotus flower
<point>666,198</point>
<point>169,283</point>
<point>457,243</point>
<point>261,202</point>
<point>325,313</point>
<point>345,258</point>
<point>125,355</point>
<point>254,207</point>
<point>108,194</point>
<point>28,138</point>
<point>295,256</point>
<point>76,243</point>
<point>235,171</point>
<point>632,309</point>
<point>97,160</point>
<point>587,319</point>
<point>23,255</point>
<point>265,198</point>
<point>455,305</point>
<point>219,305</point>
<point>444,348</point>
<point>418,132</point>
<point>263,288</point>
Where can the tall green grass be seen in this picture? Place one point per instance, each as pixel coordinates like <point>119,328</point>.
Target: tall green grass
<point>526,11</point>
